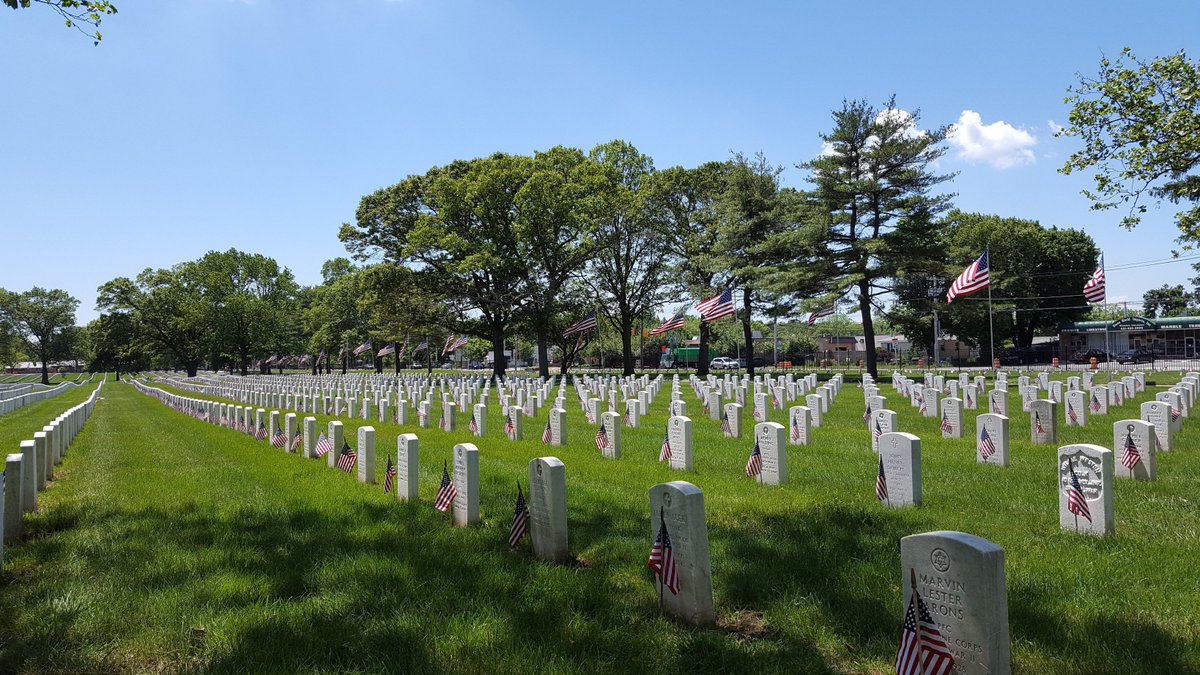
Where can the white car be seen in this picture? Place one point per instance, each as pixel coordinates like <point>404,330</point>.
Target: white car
<point>723,363</point>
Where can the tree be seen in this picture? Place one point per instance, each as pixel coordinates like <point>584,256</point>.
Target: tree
<point>687,199</point>
<point>76,13</point>
<point>169,308</point>
<point>457,226</point>
<point>334,318</point>
<point>630,273</point>
<point>873,191</point>
<point>252,305</point>
<point>41,318</point>
<point>1140,127</point>
<point>1166,301</point>
<point>554,227</point>
<point>112,343</point>
<point>1036,273</point>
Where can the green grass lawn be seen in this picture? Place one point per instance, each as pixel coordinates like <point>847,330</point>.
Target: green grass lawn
<point>20,424</point>
<point>167,544</point>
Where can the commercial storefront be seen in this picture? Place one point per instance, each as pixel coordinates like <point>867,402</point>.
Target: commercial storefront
<point>1174,337</point>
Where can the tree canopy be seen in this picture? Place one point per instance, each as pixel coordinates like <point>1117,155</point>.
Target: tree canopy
<point>84,16</point>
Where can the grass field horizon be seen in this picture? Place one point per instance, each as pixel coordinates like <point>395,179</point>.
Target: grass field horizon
<point>234,556</point>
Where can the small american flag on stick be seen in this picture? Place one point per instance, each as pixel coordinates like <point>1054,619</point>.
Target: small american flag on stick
<point>881,492</point>
<point>754,463</point>
<point>446,492</point>
<point>520,523</point>
<point>601,438</point>
<point>986,447</point>
<point>547,433</point>
<point>323,446</point>
<point>1130,457</point>
<point>923,650</point>
<point>662,557</point>
<point>279,439</point>
<point>664,454</point>
<point>1076,501</point>
<point>389,477</point>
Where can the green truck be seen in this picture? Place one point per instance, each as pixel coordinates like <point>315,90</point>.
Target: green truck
<point>680,357</point>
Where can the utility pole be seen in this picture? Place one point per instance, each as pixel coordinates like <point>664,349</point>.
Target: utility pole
<point>937,339</point>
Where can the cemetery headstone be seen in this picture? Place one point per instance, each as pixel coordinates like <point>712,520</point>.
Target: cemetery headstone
<point>900,453</point>
<point>548,508</point>
<point>1085,489</point>
<point>679,506</point>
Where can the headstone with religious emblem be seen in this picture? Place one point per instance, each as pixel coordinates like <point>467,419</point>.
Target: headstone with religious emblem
<point>991,439</point>
<point>1085,489</point>
<point>960,580</point>
<point>769,438</point>
<point>1043,422</point>
<point>407,467</point>
<point>366,455</point>
<point>799,425</point>
<point>335,442</point>
<point>1136,448</point>
<point>952,418</point>
<point>558,427</point>
<point>1174,402</point>
<point>1159,414</point>
<point>633,413</point>
<point>733,419</point>
<point>900,455</point>
<point>813,402</point>
<point>998,402</point>
<point>466,482</point>
<point>1075,411</point>
<point>610,424</point>
<point>479,415</point>
<point>1098,400</point>
<point>548,508</point>
<point>679,434</point>
<point>514,423</point>
<point>679,506</point>
<point>882,422</point>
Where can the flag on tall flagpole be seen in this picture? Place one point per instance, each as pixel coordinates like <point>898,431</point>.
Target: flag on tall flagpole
<point>673,323</point>
<point>388,350</point>
<point>662,558</point>
<point>583,325</point>
<point>520,523</point>
<point>453,343</point>
<point>820,314</point>
<point>717,307</point>
<point>1093,290</point>
<point>972,280</point>
<point>422,346</point>
<point>446,492</point>
<point>364,347</point>
<point>923,650</point>
<point>1076,501</point>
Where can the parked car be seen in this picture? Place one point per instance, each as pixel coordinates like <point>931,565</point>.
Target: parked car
<point>476,365</point>
<point>723,363</point>
<point>1136,356</point>
<point>1086,356</point>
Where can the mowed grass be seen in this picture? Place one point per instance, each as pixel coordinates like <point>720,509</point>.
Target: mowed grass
<point>20,424</point>
<point>172,545</point>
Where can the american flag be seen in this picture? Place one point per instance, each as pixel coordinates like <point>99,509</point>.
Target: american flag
<point>877,432</point>
<point>420,347</point>
<point>296,441</point>
<point>1071,414</point>
<point>323,446</point>
<point>601,438</point>
<point>986,447</point>
<point>662,558</point>
<point>1095,405</point>
<point>946,426</point>
<point>756,414</point>
<point>446,492</point>
<point>547,433</point>
<point>587,323</point>
<point>881,492</point>
<point>795,429</point>
<point>867,414</point>
<point>421,414</point>
<point>520,523</point>
<point>819,314</point>
<point>364,347</point>
<point>726,427</point>
<point>706,408</point>
<point>921,401</point>
<point>1176,413</point>
<point>473,426</point>
<point>1093,290</point>
<point>673,323</point>
<point>664,454</point>
<point>389,477</point>
<point>627,419</point>
<point>453,343</point>
<point>279,439</point>
<point>923,650</point>
<point>510,428</point>
<point>388,350</point>
<point>346,458</point>
<point>995,407</point>
<point>1076,502</point>
<point>1130,457</point>
<point>1037,423</point>
<point>717,307</point>
<point>754,464</point>
<point>260,433</point>
<point>971,281</point>
<point>442,420</point>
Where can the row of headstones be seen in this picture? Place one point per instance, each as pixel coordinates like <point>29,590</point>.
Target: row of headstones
<point>21,400</point>
<point>28,472</point>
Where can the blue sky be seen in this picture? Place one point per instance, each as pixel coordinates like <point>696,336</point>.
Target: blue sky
<point>258,124</point>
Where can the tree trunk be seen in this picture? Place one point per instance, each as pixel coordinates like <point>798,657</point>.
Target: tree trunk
<point>499,362</point>
<point>316,366</point>
<point>702,363</point>
<point>864,306</point>
<point>626,346</point>
<point>378,364</point>
<point>45,372</point>
<point>543,351</point>
<point>345,363</point>
<point>747,332</point>
<point>192,367</point>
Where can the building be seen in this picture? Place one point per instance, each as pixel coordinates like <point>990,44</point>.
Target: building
<point>1170,337</point>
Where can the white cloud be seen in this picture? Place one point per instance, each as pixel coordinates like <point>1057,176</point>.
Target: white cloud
<point>1055,127</point>
<point>999,144</point>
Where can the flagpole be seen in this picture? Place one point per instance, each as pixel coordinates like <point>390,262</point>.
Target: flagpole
<point>912,579</point>
<point>662,522</point>
<point>1107,346</point>
<point>991,327</point>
